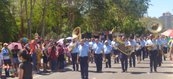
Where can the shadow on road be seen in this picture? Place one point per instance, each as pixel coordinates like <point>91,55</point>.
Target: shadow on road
<point>49,72</point>
<point>102,71</point>
<point>166,66</point>
<point>142,67</point>
<point>137,72</point>
<point>166,72</point>
<point>116,67</point>
<point>144,63</point>
<point>44,73</point>
<point>4,77</point>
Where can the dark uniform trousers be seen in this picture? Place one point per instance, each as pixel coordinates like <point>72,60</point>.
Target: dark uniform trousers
<point>98,60</point>
<point>84,67</point>
<point>165,52</point>
<point>153,60</point>
<point>108,62</point>
<point>144,52</point>
<point>124,62</point>
<point>91,57</point>
<point>159,58</point>
<point>74,61</point>
<point>132,60</point>
<point>116,52</point>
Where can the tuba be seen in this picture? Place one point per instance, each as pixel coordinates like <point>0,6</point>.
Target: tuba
<point>77,33</point>
<point>127,50</point>
<point>154,27</point>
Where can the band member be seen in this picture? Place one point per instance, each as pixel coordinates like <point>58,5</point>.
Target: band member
<point>160,53</point>
<point>83,58</point>
<point>74,53</point>
<point>124,58</point>
<point>91,43</point>
<point>143,48</point>
<point>132,59</point>
<point>107,52</point>
<point>138,50</point>
<point>151,44</point>
<point>98,55</point>
<point>116,53</point>
<point>164,46</point>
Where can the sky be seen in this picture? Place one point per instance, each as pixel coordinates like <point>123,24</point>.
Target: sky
<point>158,7</point>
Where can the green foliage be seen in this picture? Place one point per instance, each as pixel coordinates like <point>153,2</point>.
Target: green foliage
<point>9,30</point>
<point>26,17</point>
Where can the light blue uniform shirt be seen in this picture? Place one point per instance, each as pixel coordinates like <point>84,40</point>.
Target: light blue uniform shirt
<point>109,42</point>
<point>87,43</point>
<point>115,44</point>
<point>91,43</point>
<point>142,43</point>
<point>75,49</point>
<point>159,43</point>
<point>97,48</point>
<point>164,42</point>
<point>107,49</point>
<point>83,50</point>
<point>133,43</point>
<point>152,42</point>
<point>127,43</point>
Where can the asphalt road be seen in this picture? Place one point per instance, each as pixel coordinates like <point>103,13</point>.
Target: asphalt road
<point>141,71</point>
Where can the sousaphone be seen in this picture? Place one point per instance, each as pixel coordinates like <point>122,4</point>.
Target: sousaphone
<point>127,50</point>
<point>154,27</point>
<point>77,33</point>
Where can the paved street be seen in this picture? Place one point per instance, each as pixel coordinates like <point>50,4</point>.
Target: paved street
<point>140,72</point>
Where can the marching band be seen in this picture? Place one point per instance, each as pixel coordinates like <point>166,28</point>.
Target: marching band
<point>129,52</point>
<point>126,50</point>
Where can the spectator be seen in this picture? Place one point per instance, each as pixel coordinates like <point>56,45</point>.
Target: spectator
<point>53,58</point>
<point>1,63</point>
<point>15,60</point>
<point>25,68</point>
<point>6,57</point>
<point>61,58</point>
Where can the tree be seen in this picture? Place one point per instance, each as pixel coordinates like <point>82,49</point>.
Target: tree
<point>27,17</point>
<point>9,30</point>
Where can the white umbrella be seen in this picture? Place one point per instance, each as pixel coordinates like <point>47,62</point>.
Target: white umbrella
<point>60,41</point>
<point>69,38</point>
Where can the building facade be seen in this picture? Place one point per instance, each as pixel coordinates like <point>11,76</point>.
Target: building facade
<point>167,20</point>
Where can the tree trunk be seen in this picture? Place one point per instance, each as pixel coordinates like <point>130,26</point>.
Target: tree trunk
<point>22,19</point>
<point>30,18</point>
<point>42,23</point>
<point>26,14</point>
